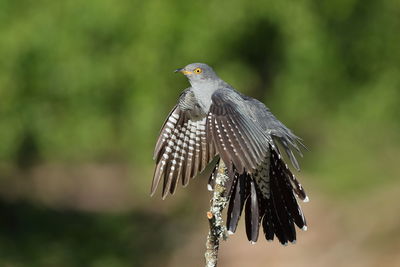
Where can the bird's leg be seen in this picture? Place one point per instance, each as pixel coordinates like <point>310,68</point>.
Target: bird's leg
<point>217,227</point>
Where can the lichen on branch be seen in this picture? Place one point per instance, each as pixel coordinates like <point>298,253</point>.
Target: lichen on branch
<point>218,229</point>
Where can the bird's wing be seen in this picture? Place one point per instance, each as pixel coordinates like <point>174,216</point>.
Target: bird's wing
<point>182,150</point>
<point>239,140</point>
<point>277,130</point>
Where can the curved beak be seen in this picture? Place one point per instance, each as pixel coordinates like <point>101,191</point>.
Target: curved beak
<point>183,71</point>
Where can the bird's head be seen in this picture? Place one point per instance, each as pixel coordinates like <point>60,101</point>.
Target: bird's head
<point>198,73</point>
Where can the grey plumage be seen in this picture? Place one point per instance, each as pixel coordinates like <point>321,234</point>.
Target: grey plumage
<point>213,119</point>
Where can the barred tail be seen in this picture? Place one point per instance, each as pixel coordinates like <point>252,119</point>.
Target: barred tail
<point>269,199</point>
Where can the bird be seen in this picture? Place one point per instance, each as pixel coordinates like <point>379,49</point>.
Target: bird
<point>212,121</point>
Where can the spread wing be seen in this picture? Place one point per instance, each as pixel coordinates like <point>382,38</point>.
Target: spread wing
<point>276,129</point>
<point>182,150</point>
<point>238,138</point>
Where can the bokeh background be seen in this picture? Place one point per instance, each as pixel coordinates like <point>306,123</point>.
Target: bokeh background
<point>86,85</point>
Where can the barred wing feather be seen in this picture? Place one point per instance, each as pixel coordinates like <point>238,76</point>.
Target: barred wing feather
<point>181,152</point>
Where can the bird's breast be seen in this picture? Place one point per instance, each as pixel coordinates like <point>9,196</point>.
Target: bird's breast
<point>202,94</point>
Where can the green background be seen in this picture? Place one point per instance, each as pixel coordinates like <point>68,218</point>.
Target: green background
<point>86,85</point>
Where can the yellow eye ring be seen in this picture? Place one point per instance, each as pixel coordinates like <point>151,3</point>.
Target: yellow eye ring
<point>198,70</point>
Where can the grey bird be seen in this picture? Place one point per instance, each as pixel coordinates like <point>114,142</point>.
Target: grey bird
<point>212,119</point>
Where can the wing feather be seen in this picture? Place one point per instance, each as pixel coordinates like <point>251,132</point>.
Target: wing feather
<point>244,143</point>
<point>182,150</point>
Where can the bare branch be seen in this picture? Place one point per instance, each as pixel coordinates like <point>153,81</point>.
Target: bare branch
<point>217,226</point>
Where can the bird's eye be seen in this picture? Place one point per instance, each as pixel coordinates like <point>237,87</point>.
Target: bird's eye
<point>198,71</point>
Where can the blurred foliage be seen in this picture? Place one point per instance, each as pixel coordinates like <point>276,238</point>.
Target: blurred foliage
<point>69,238</point>
<point>92,81</point>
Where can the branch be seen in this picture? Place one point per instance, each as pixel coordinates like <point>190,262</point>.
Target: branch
<point>217,226</point>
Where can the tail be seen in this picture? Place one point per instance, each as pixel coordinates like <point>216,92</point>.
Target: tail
<point>269,199</point>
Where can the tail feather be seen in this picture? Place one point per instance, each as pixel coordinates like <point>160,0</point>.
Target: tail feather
<point>293,207</point>
<point>252,214</point>
<point>282,216</point>
<point>277,210</point>
<point>298,188</point>
<point>236,202</point>
<point>282,205</point>
<point>284,177</point>
<point>268,222</point>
